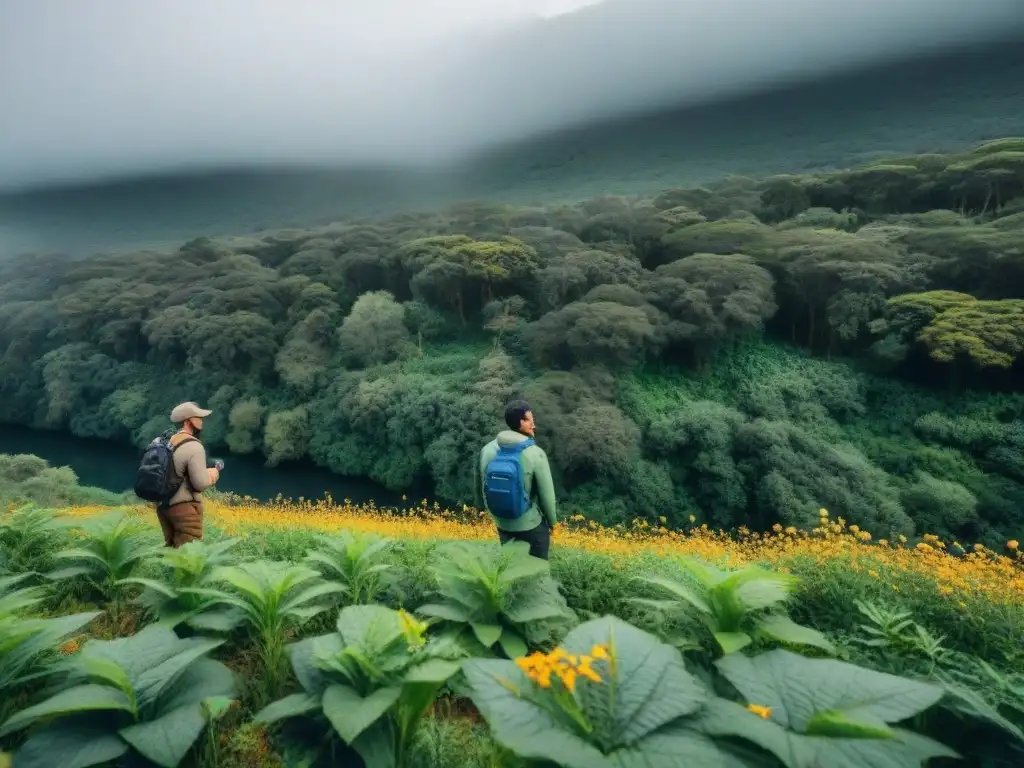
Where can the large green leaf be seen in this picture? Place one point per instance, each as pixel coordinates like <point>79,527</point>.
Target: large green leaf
<point>487,634</point>
<point>678,590</point>
<point>151,683</point>
<point>512,643</point>
<point>62,745</point>
<point>419,689</point>
<point>296,705</point>
<point>161,588</point>
<point>313,593</point>
<point>310,677</point>
<point>652,687</point>
<point>785,630</point>
<point>903,749</point>
<point>368,625</point>
<point>966,701</point>
<point>81,698</point>
<point>649,695</point>
<point>832,697</point>
<point>499,689</point>
<point>37,637</point>
<point>524,566</point>
<point>758,589</point>
<point>797,688</point>
<point>376,745</point>
<point>139,653</point>
<point>222,619</point>
<point>108,671</point>
<point>674,746</point>
<point>351,714</point>
<point>732,642</point>
<point>166,740</point>
<point>446,611</point>
<point>433,671</point>
<point>203,679</point>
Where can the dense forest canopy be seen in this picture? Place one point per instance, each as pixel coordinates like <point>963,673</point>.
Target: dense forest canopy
<point>743,353</point>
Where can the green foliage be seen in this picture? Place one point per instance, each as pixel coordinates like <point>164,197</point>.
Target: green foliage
<point>386,349</point>
<point>144,695</point>
<point>113,548</point>
<point>640,704</point>
<point>27,643</point>
<point>374,330</point>
<point>504,598</point>
<point>30,480</point>
<point>736,606</point>
<point>29,536</point>
<point>269,598</point>
<point>368,692</point>
<point>170,601</point>
<point>371,681</point>
<point>825,712</point>
<point>357,562</point>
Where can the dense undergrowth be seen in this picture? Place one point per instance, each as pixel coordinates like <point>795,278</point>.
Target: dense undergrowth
<point>301,634</point>
<point>744,352</point>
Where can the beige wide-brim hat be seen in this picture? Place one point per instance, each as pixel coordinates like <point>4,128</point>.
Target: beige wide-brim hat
<point>188,410</point>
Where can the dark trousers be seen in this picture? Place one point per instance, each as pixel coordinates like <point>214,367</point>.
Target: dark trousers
<point>538,538</point>
<point>181,523</point>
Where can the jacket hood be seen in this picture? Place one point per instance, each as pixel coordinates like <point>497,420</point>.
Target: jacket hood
<point>508,437</point>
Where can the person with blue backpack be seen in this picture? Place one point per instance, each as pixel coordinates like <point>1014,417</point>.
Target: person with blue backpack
<point>516,481</point>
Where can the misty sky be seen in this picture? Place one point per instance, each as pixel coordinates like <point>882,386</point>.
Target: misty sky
<point>93,88</point>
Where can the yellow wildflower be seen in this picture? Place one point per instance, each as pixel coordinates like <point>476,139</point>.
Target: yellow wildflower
<point>413,629</point>
<point>1012,544</point>
<point>566,667</point>
<point>762,712</point>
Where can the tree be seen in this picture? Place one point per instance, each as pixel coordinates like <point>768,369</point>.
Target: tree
<point>570,277</point>
<point>245,422</point>
<point>739,293</point>
<point>374,331</point>
<point>594,330</point>
<point>286,435</point>
<point>990,333</point>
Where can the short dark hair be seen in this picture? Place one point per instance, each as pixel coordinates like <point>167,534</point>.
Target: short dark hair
<point>515,412</point>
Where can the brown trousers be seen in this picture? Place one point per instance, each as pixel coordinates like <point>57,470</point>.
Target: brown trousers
<point>181,523</point>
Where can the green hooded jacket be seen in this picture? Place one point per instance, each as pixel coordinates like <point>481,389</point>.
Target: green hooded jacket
<point>536,475</point>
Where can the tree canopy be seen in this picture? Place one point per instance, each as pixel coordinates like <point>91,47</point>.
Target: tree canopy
<point>744,352</point>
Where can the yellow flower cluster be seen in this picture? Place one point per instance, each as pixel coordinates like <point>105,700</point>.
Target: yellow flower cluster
<point>979,572</point>
<point>567,667</point>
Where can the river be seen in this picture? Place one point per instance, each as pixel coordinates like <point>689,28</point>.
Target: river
<point>111,465</point>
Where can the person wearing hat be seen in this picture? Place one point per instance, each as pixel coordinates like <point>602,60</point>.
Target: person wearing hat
<point>181,517</point>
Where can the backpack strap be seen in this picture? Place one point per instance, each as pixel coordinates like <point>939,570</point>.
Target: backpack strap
<point>177,443</point>
<point>177,440</point>
<point>517,447</point>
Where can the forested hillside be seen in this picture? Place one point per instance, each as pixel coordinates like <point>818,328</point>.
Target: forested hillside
<point>745,352</point>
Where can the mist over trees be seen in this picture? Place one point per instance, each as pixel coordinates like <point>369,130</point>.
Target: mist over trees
<point>745,352</point>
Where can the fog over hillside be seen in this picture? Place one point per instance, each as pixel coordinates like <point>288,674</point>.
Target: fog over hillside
<point>95,90</point>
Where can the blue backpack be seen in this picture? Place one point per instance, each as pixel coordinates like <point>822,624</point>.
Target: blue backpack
<point>504,485</point>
